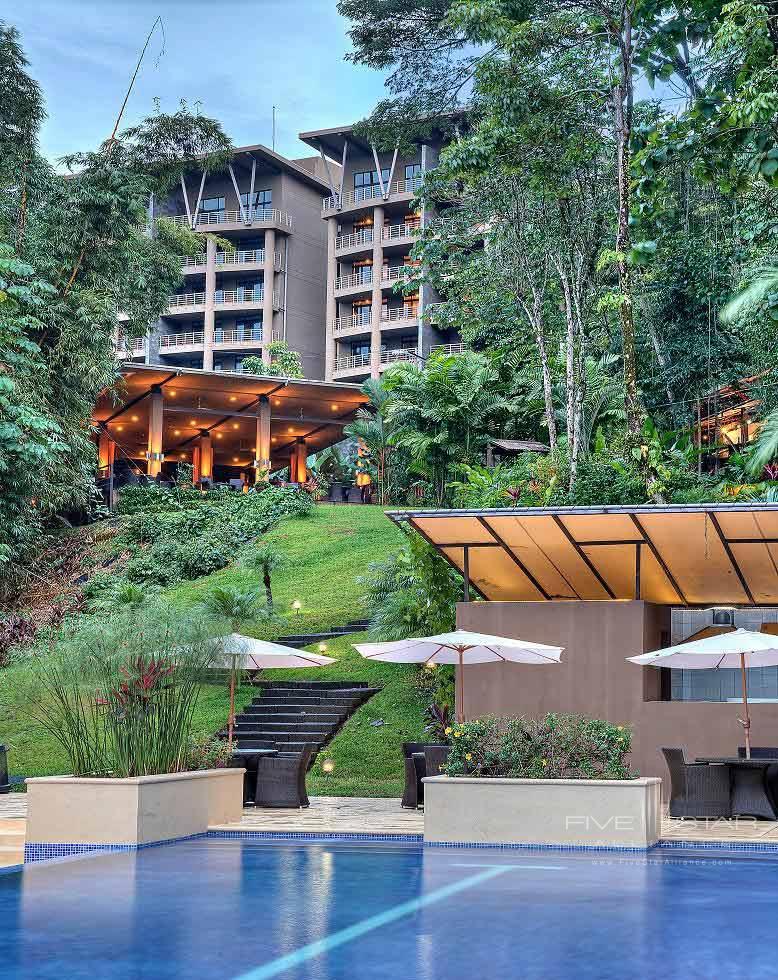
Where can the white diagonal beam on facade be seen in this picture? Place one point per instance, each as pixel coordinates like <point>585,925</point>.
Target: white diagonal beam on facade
<point>243,210</point>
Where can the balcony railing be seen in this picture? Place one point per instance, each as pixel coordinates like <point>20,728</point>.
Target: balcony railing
<point>193,260</point>
<point>136,345</point>
<point>364,237</point>
<point>351,322</point>
<point>354,280</point>
<point>404,354</point>
<point>449,350</point>
<point>210,218</point>
<point>400,313</point>
<point>431,311</point>
<point>391,232</point>
<point>235,335</point>
<point>187,299</point>
<point>255,295</point>
<point>396,273</point>
<point>372,193</point>
<point>352,361</point>
<point>189,339</point>
<point>254,256</point>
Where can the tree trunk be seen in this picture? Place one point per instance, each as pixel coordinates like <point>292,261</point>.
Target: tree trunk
<point>622,117</point>
<point>268,587</point>
<point>548,397</point>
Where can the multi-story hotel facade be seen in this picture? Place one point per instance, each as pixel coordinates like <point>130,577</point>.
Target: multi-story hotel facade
<point>269,284</point>
<point>371,227</point>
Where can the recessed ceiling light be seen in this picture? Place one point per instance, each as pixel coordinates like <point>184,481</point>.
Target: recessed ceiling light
<point>235,459</point>
<point>120,428</point>
<point>219,435</point>
<point>193,421</point>
<point>233,398</point>
<point>235,425</point>
<point>176,432</point>
<point>334,408</point>
<point>290,429</point>
<point>171,392</point>
<point>134,418</point>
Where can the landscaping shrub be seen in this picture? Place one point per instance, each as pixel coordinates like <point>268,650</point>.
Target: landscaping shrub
<point>208,753</point>
<point>554,747</point>
<point>15,630</point>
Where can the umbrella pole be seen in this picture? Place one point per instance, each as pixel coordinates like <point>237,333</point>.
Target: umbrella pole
<point>231,724</point>
<point>746,720</point>
<point>461,707</point>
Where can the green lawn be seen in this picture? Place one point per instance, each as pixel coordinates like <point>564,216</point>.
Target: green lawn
<point>327,552</point>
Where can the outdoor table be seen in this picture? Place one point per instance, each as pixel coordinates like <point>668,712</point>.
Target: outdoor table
<point>751,792</point>
<point>249,757</point>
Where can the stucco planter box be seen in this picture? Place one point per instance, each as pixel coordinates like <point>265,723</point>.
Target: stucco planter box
<point>562,812</point>
<point>143,810</point>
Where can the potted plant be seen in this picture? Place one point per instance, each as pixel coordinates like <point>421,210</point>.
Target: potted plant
<point>561,780</point>
<point>120,699</point>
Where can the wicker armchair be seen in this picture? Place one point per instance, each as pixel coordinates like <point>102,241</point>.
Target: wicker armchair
<point>436,756</point>
<point>770,776</point>
<point>697,789</point>
<point>281,779</point>
<point>414,757</point>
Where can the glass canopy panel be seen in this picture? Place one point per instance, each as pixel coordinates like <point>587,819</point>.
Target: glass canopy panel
<point>499,577</point>
<point>616,564</point>
<point>453,530</point>
<point>759,567</point>
<point>742,524</point>
<point>695,555</point>
<point>553,541</point>
<point>523,543</point>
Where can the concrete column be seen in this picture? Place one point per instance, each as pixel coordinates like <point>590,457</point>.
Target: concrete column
<point>269,269</point>
<point>301,468</point>
<point>378,264</point>
<point>262,445</point>
<point>330,346</point>
<point>209,320</point>
<point>206,455</point>
<point>293,464</point>
<point>156,425</point>
<point>196,465</point>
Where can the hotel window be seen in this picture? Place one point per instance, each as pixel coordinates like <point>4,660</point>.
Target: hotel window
<point>218,365</point>
<point>263,200</point>
<point>413,170</point>
<point>210,204</point>
<point>361,312</point>
<point>367,183</point>
<point>360,348</point>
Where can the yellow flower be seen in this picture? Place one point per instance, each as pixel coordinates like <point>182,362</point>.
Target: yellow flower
<point>448,731</point>
<point>457,734</point>
<point>469,756</point>
<point>620,728</point>
<point>545,762</point>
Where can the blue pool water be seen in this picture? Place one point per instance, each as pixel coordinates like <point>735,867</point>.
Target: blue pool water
<point>221,909</point>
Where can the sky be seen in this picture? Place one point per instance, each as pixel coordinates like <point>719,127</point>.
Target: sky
<point>236,58</point>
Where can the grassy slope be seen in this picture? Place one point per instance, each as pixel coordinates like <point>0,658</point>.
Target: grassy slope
<point>327,552</point>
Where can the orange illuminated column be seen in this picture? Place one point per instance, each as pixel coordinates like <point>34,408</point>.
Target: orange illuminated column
<point>262,445</point>
<point>154,454</point>
<point>301,454</point>
<point>106,452</point>
<point>206,455</point>
<point>196,465</point>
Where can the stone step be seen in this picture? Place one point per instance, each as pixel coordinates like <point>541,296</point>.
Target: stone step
<point>289,717</point>
<point>284,726</point>
<point>305,704</point>
<point>312,685</point>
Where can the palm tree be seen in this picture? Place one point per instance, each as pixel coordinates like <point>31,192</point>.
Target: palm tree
<point>444,413</point>
<point>232,606</point>
<point>266,560</point>
<point>373,428</point>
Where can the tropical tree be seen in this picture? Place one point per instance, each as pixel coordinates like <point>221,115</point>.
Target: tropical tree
<point>373,428</point>
<point>266,559</point>
<point>444,412</point>
<point>231,605</point>
<point>284,362</point>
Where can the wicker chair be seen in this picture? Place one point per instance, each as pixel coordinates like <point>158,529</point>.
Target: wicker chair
<point>697,789</point>
<point>770,777</point>
<point>415,770</point>
<point>281,779</point>
<point>436,756</point>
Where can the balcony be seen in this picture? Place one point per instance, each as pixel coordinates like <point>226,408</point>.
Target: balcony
<point>357,281</point>
<point>235,220</point>
<point>239,297</point>
<point>352,324</point>
<point>357,239</point>
<point>400,315</point>
<point>449,350</point>
<point>181,342</point>
<point>193,263</point>
<point>432,312</point>
<point>400,234</point>
<point>237,338</point>
<point>185,303</point>
<point>361,196</point>
<point>133,347</point>
<point>400,354</point>
<point>396,273</point>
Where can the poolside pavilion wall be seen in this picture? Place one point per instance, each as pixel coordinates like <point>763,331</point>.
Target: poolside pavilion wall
<point>596,680</point>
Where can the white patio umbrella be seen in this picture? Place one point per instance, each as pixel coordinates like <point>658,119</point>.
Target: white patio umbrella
<point>736,649</point>
<point>238,652</point>
<point>461,647</point>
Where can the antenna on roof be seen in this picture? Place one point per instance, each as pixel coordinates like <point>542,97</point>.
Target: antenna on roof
<point>274,129</point>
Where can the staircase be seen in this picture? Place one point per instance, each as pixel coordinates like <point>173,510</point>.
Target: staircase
<point>300,640</point>
<point>291,715</point>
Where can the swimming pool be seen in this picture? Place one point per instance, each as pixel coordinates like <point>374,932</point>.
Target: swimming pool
<point>221,909</point>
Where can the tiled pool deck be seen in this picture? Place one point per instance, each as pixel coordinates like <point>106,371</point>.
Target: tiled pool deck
<point>352,815</point>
